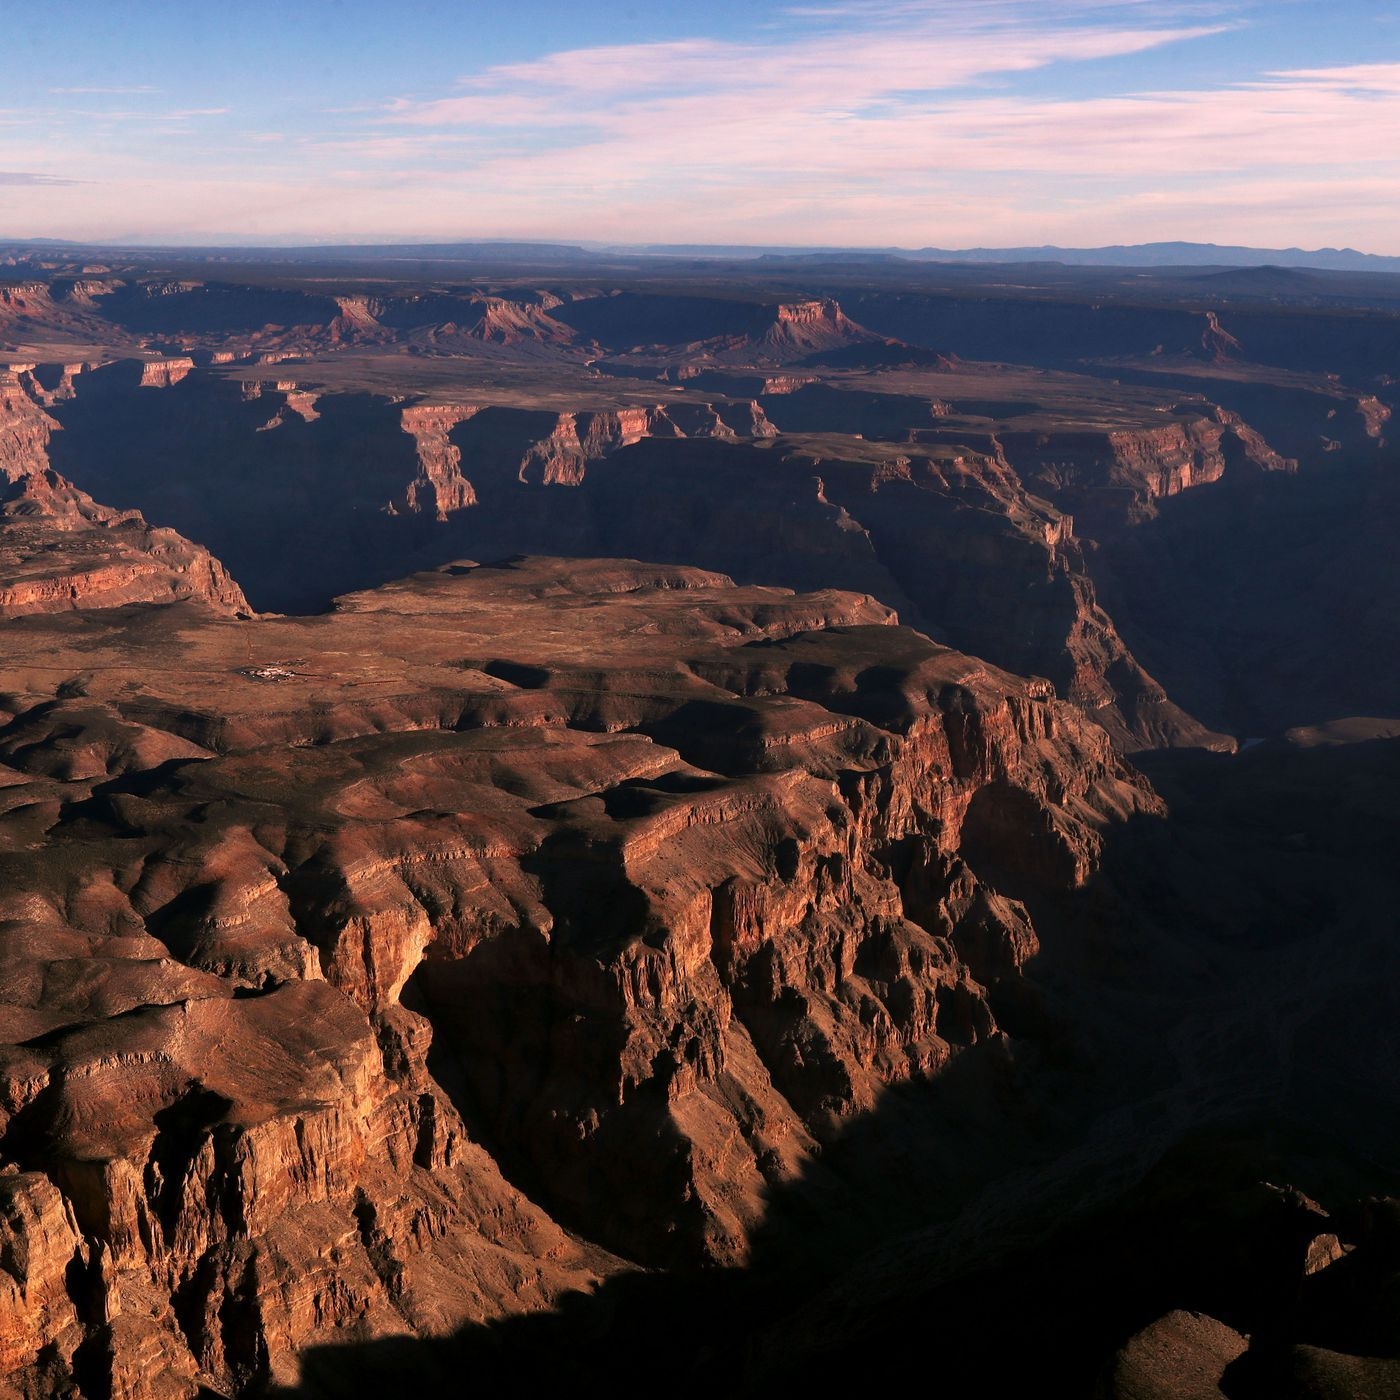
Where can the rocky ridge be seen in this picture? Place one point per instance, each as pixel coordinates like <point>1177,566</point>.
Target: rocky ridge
<point>445,985</point>
<point>735,853</point>
<point>60,550</point>
<point>475,470</point>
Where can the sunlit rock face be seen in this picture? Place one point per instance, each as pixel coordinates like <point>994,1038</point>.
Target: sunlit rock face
<point>461,948</point>
<point>637,855</point>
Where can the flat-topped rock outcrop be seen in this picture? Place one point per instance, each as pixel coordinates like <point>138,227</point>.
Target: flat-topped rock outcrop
<point>298,915</point>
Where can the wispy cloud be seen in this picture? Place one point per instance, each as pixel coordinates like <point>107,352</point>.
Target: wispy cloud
<point>107,91</point>
<point>26,177</point>
<point>180,114</point>
<point>830,73</point>
<point>894,125</point>
<point>997,13</point>
<point>860,121</point>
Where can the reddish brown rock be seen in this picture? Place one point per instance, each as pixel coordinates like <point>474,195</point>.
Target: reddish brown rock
<point>368,482</point>
<point>803,327</point>
<point>1182,1356</point>
<point>60,550</point>
<point>440,488</point>
<point>1107,478</point>
<point>652,860</point>
<point>42,1249</point>
<point>562,458</point>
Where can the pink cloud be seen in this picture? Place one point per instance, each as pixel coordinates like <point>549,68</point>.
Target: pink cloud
<point>904,131</point>
<point>847,72</point>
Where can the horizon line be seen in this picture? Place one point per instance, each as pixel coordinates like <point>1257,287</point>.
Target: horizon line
<point>588,245</point>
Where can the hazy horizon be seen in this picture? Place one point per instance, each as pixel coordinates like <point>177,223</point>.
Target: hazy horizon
<point>850,123</point>
<point>410,242</point>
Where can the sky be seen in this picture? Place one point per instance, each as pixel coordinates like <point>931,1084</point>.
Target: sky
<point>861,123</point>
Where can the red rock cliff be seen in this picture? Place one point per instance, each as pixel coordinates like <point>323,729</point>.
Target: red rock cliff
<point>652,858</point>
<point>60,550</point>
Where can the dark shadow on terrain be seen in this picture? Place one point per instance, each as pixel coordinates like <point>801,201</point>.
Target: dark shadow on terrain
<point>627,318</point>
<point>1062,328</point>
<point>297,511</point>
<point>1265,601</point>
<point>1215,1012</point>
<point>1259,603</point>
<point>222,309</point>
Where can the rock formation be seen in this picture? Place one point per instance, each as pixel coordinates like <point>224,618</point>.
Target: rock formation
<point>734,853</point>
<point>534,965</point>
<point>60,550</point>
<point>431,421</point>
<point>477,470</point>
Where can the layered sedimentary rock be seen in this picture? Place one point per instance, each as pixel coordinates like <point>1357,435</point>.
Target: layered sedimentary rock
<point>439,322</point>
<point>714,330</point>
<point>60,550</point>
<point>443,986</point>
<point>1113,478</point>
<point>1000,571</point>
<point>807,327</point>
<point>432,421</point>
<point>562,457</point>
<point>360,485</point>
<point>198,314</point>
<point>439,487</point>
<point>642,880</point>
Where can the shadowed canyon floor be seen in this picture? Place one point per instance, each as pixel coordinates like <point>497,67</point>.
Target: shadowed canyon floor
<point>439,943</point>
<point>1160,493</point>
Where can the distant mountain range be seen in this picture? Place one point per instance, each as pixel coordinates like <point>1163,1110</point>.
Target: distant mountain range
<point>1117,255</point>
<point>1174,255</point>
<point>1154,255</point>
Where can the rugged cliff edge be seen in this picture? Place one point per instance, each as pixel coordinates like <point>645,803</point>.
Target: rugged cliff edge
<point>967,529</point>
<point>346,436</point>
<point>60,550</point>
<point>562,973</point>
<point>618,877</point>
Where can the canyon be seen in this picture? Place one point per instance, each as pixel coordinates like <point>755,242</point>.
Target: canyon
<point>751,822</point>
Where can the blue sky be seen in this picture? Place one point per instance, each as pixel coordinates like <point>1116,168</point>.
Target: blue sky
<point>861,122</point>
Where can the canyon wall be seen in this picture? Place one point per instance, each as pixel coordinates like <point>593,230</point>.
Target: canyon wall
<point>367,490</point>
<point>60,550</point>
<point>340,1005</point>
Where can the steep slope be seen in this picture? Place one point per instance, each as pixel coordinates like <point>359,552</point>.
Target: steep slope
<point>544,861</point>
<point>1000,571</point>
<point>386,451</point>
<point>718,329</point>
<point>560,974</point>
<point>368,488</point>
<point>806,328</point>
<point>194,314</point>
<point>441,321</point>
<point>60,550</point>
